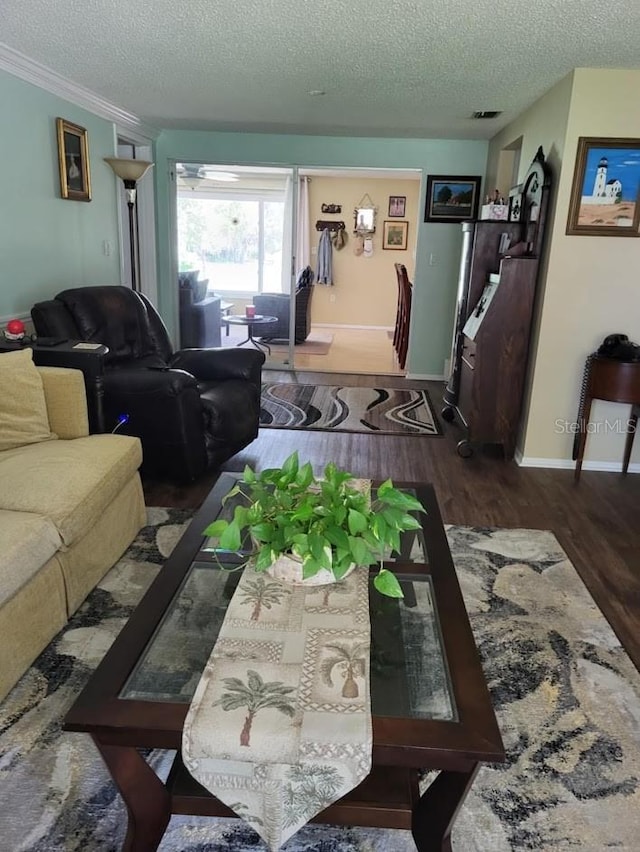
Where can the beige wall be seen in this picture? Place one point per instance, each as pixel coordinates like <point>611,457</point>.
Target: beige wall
<point>365,289</point>
<point>592,283</point>
<point>544,123</point>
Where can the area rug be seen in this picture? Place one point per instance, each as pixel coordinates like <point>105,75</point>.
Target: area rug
<point>566,695</point>
<point>386,411</point>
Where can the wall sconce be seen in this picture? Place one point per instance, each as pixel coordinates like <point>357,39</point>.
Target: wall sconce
<point>131,171</point>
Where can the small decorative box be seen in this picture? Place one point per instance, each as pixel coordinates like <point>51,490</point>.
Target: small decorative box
<point>495,211</point>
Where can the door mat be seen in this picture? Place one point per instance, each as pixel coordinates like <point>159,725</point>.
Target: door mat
<point>386,411</point>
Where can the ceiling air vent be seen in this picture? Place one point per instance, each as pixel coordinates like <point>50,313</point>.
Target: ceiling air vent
<point>487,113</point>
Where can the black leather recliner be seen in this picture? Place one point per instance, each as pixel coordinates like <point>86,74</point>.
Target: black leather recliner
<point>191,409</point>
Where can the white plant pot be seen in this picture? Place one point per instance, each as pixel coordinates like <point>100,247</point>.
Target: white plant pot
<point>288,569</point>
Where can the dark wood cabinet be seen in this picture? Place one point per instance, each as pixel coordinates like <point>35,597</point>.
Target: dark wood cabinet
<point>496,297</point>
<point>494,360</point>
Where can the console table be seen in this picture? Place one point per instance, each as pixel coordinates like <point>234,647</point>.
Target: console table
<point>72,354</point>
<point>614,381</point>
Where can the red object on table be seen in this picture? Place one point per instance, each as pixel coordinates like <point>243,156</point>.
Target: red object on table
<point>15,329</point>
<point>250,311</point>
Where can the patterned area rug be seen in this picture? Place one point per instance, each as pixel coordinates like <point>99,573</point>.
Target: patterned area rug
<point>387,411</point>
<point>566,695</point>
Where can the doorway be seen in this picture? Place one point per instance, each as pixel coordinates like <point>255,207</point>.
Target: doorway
<point>234,237</point>
<point>236,228</point>
<point>357,311</point>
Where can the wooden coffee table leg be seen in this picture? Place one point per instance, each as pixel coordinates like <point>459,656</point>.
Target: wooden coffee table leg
<point>435,812</point>
<point>146,797</point>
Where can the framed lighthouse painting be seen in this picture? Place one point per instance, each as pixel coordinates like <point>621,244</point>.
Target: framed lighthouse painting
<point>605,195</point>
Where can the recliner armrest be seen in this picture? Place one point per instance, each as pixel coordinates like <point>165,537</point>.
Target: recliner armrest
<point>221,364</point>
<point>138,380</point>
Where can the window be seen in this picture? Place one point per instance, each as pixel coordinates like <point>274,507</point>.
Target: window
<point>234,239</point>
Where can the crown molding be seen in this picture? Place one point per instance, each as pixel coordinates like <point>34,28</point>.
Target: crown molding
<point>16,63</point>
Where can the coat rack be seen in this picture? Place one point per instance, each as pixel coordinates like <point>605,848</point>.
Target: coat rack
<point>321,224</point>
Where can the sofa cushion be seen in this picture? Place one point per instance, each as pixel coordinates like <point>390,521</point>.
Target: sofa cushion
<point>64,391</point>
<point>23,410</point>
<point>70,482</point>
<point>28,541</point>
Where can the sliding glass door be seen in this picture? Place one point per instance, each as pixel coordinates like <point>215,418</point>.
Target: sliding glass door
<point>234,236</point>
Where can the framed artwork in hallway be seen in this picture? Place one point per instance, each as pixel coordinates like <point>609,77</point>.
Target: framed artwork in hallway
<point>397,205</point>
<point>73,160</point>
<point>394,235</point>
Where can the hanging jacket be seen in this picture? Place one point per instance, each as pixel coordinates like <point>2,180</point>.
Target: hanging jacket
<point>324,273</point>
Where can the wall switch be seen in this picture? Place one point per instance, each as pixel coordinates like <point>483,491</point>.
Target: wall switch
<point>332,297</point>
<point>314,250</point>
<point>432,259</point>
<point>106,248</point>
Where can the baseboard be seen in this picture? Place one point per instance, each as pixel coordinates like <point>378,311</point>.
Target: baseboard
<point>425,377</point>
<point>569,464</point>
<point>352,327</point>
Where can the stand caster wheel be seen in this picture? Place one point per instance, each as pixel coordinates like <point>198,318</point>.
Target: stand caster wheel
<point>447,414</point>
<point>465,450</point>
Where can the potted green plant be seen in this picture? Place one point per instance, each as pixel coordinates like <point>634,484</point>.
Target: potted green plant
<point>327,525</point>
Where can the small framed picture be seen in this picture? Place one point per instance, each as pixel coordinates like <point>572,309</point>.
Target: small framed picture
<point>394,235</point>
<point>73,159</point>
<point>452,199</point>
<point>605,195</point>
<point>515,203</point>
<point>397,205</point>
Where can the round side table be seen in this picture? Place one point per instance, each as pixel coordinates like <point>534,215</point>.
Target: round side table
<point>250,322</point>
<point>613,381</point>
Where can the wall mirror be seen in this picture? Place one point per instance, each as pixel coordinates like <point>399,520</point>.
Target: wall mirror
<point>365,217</point>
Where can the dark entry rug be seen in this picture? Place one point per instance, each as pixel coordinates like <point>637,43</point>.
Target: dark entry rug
<point>566,695</point>
<point>387,411</point>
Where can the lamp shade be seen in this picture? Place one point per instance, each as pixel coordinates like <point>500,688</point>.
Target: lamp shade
<point>128,169</point>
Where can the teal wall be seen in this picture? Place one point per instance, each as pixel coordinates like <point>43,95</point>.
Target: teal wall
<point>435,286</point>
<point>48,243</point>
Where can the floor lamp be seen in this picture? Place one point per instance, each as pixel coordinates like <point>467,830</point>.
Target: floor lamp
<point>131,171</point>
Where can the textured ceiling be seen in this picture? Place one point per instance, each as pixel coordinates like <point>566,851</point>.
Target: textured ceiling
<point>389,67</point>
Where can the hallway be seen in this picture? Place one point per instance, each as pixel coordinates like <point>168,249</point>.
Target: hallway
<point>352,350</point>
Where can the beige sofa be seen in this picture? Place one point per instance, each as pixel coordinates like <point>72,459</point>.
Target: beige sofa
<point>69,507</point>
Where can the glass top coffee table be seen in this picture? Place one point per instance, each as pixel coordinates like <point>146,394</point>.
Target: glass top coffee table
<point>430,703</point>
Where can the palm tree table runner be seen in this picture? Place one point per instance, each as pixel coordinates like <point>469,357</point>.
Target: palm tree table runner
<point>280,723</point>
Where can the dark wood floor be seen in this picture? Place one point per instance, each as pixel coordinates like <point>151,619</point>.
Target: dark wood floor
<point>596,521</point>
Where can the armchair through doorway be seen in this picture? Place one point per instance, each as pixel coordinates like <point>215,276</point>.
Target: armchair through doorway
<point>277,305</point>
